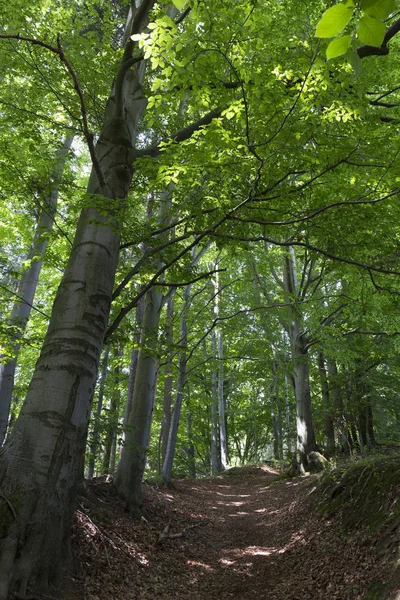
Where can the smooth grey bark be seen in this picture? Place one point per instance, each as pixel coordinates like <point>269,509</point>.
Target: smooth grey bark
<point>326,403</point>
<point>136,338</point>
<point>306,442</point>
<point>129,474</point>
<point>96,422</point>
<point>255,432</point>
<point>133,367</point>
<point>168,380</point>
<point>27,287</point>
<point>42,460</point>
<point>190,449</point>
<point>220,386</point>
<point>214,410</point>
<point>338,407</point>
<point>108,463</point>
<point>275,430</point>
<point>128,479</point>
<point>176,413</point>
<point>287,416</point>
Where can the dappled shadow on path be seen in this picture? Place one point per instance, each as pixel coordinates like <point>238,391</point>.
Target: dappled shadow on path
<point>243,535</point>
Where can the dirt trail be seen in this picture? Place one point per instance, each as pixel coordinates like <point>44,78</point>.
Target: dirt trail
<point>245,535</point>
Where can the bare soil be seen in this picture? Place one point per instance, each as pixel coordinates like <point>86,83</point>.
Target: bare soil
<point>246,534</point>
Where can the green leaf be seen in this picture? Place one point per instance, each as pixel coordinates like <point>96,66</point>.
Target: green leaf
<point>333,20</point>
<point>378,9</point>
<point>370,31</point>
<point>179,3</point>
<point>338,47</point>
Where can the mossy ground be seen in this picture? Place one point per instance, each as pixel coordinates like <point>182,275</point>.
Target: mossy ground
<point>364,494</point>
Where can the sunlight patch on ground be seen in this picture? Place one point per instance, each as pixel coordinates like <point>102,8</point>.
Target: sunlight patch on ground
<point>95,534</point>
<point>195,563</point>
<point>234,495</point>
<point>227,562</point>
<point>230,503</point>
<point>238,514</point>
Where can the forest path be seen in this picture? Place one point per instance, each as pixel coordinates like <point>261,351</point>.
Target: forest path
<point>245,535</point>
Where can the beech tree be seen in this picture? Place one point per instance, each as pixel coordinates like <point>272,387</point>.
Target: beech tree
<point>278,154</point>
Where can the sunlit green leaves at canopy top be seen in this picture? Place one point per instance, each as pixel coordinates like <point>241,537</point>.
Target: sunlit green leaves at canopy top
<point>368,17</point>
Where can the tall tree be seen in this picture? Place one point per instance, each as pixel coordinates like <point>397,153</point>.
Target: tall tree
<point>47,199</point>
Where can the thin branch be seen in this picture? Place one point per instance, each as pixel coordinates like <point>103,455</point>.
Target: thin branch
<point>186,283</point>
<point>349,261</point>
<point>60,52</point>
<point>183,15</point>
<point>119,289</point>
<point>23,300</point>
<point>179,136</point>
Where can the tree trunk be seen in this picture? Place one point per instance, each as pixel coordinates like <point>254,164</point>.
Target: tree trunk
<point>166,420</point>
<point>190,448</point>
<point>287,413</point>
<point>112,421</point>
<point>96,425</point>
<point>28,284</point>
<point>42,460</point>
<point>214,410</point>
<point>133,367</point>
<point>275,431</point>
<point>326,403</point>
<point>128,480</point>
<point>176,413</point>
<point>221,405</point>
<point>337,401</point>
<point>129,475</point>
<point>304,426</point>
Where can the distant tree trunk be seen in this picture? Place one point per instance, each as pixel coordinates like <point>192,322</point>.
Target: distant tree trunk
<point>337,401</point>
<point>275,431</point>
<point>96,424</point>
<point>326,402</point>
<point>27,287</point>
<point>354,436</point>
<point>129,475</point>
<point>166,421</point>
<point>133,367</point>
<point>112,421</point>
<point>176,413</point>
<point>221,403</point>
<point>370,425</point>
<point>255,432</point>
<point>214,410</point>
<point>304,425</point>
<point>287,412</point>
<point>42,460</point>
<point>190,448</point>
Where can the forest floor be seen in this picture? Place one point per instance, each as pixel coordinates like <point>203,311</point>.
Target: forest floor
<point>246,534</point>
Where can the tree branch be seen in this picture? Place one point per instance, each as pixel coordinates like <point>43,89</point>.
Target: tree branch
<point>179,136</point>
<point>383,50</point>
<point>85,127</point>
